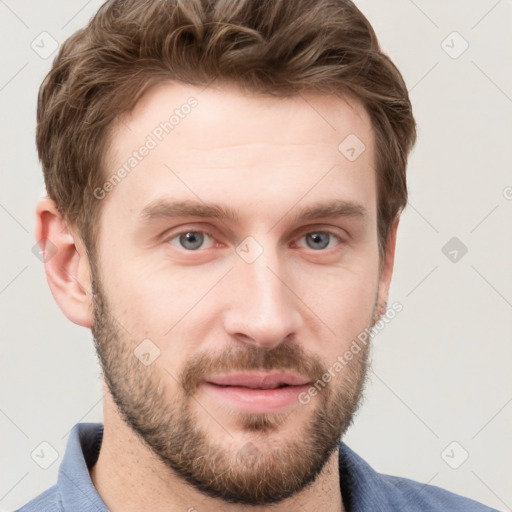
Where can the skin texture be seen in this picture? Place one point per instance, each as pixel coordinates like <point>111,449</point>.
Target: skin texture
<point>169,443</point>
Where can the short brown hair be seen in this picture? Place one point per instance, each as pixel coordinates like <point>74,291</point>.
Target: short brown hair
<point>276,47</point>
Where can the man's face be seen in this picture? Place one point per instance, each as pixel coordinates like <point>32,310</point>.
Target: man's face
<point>209,339</point>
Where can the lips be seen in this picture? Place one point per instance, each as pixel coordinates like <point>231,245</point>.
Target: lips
<point>256,392</point>
<point>259,380</point>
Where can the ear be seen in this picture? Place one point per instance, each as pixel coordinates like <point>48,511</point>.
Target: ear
<point>66,263</point>
<point>386,270</point>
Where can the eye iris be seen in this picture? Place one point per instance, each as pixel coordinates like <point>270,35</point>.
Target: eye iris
<point>318,241</point>
<point>191,240</point>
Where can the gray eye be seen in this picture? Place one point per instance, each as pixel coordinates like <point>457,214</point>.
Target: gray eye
<point>191,240</point>
<point>319,240</point>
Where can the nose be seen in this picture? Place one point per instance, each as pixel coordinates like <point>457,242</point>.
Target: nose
<point>262,310</point>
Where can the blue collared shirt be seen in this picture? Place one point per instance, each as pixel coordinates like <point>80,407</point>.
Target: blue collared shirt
<point>362,488</point>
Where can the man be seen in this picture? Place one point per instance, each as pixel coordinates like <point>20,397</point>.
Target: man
<point>225,180</point>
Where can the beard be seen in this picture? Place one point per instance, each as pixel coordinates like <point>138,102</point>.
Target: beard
<point>267,469</point>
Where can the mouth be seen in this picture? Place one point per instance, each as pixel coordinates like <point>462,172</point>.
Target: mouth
<point>279,386</point>
<point>276,380</point>
<point>257,392</point>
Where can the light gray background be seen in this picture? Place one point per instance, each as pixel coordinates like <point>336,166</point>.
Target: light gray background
<point>441,370</point>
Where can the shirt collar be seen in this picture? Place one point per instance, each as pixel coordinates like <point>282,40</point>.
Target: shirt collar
<point>74,481</point>
<point>362,488</point>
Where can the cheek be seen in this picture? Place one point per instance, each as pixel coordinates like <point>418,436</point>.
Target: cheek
<point>167,306</point>
<point>134,300</point>
<point>343,301</point>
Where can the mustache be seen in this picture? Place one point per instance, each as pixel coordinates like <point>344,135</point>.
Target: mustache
<point>238,358</point>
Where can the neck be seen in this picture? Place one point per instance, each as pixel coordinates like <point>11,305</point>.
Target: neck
<point>128,476</point>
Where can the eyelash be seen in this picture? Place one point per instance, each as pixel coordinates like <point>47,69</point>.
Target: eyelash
<point>183,232</point>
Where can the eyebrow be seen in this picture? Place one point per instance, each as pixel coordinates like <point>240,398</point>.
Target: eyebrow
<point>162,208</point>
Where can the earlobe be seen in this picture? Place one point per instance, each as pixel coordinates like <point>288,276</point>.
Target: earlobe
<point>66,264</point>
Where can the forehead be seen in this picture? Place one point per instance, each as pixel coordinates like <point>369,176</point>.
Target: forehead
<point>214,143</point>
<point>238,117</point>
